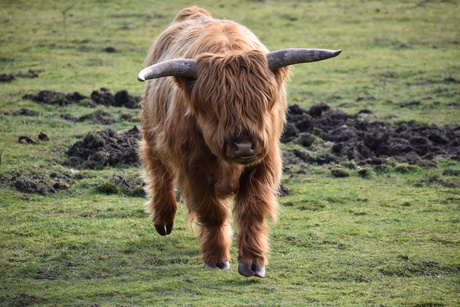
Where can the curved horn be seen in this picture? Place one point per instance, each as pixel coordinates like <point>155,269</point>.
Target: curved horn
<point>285,57</point>
<point>179,68</point>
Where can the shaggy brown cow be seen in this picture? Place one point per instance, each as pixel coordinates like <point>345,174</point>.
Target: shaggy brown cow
<point>213,130</point>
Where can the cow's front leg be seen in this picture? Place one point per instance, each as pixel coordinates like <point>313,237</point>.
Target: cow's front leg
<point>256,200</point>
<point>215,241</point>
<point>252,235</point>
<point>159,180</point>
<point>215,233</point>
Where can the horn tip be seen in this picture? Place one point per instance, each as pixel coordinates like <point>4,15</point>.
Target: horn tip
<point>337,52</point>
<point>140,78</point>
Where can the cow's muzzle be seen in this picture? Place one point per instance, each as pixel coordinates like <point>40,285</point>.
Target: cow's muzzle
<point>244,152</point>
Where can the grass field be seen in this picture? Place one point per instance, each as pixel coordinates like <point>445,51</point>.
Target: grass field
<point>390,238</point>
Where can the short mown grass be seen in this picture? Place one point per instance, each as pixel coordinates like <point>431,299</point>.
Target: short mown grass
<point>384,236</point>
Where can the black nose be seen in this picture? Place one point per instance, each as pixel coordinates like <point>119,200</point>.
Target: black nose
<point>244,149</point>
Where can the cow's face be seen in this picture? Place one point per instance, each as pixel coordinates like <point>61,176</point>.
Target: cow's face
<point>233,100</point>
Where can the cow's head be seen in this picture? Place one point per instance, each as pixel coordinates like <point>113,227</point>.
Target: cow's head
<point>233,95</point>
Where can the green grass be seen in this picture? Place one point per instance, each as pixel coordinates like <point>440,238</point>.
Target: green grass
<point>389,239</point>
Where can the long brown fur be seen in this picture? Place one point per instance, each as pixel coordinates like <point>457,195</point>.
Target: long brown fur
<point>189,128</point>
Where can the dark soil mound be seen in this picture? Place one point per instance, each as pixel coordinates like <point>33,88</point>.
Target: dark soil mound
<point>355,138</point>
<point>24,112</point>
<point>55,98</point>
<point>37,182</point>
<point>28,140</point>
<point>7,77</point>
<point>104,148</point>
<point>101,97</point>
<point>121,99</point>
<point>331,135</point>
<point>10,77</point>
<point>99,117</point>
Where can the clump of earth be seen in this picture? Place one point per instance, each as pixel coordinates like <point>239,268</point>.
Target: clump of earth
<point>10,77</point>
<point>101,117</point>
<point>332,135</point>
<point>325,135</point>
<point>101,97</point>
<point>98,117</point>
<point>104,148</point>
<point>40,182</point>
<point>353,137</point>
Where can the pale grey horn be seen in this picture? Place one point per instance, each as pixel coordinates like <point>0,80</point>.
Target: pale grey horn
<point>178,68</point>
<point>285,57</point>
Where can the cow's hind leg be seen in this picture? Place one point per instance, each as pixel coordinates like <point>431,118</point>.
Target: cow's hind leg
<point>159,180</point>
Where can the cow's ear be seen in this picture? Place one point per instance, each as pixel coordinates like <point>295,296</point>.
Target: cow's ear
<point>185,83</point>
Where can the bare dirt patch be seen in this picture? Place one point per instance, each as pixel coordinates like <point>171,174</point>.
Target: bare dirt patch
<point>99,97</point>
<point>331,135</point>
<point>23,139</point>
<point>104,148</point>
<point>23,112</point>
<point>40,182</point>
<point>98,117</point>
<point>30,74</point>
<point>353,137</point>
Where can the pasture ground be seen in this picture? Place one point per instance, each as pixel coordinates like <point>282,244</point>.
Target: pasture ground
<point>363,231</point>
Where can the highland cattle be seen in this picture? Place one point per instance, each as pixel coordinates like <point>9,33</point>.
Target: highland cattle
<point>212,114</point>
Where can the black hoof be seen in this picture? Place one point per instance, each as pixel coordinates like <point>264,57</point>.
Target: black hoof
<point>254,270</point>
<point>221,265</point>
<point>164,230</point>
